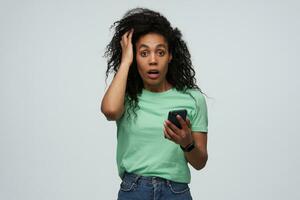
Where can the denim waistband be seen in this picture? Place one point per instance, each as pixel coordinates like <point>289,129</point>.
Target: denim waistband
<point>151,179</point>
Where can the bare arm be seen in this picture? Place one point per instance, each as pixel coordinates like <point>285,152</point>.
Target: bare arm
<point>112,105</point>
<point>198,156</point>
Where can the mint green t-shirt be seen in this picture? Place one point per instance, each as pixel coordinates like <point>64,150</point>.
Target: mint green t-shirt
<point>141,146</point>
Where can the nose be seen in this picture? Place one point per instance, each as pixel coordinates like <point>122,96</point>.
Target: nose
<point>152,59</point>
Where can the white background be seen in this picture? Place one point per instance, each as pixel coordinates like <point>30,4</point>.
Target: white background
<point>55,143</point>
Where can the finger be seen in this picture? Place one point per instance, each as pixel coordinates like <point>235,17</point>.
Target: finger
<point>131,32</point>
<point>124,38</point>
<point>127,34</point>
<point>182,122</point>
<point>171,133</point>
<point>188,123</point>
<point>172,126</point>
<point>130,35</point>
<point>167,136</point>
<point>122,42</point>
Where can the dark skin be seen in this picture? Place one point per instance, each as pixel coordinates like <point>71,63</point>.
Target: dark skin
<point>198,156</point>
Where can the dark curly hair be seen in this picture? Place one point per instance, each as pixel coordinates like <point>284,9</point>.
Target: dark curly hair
<point>180,75</point>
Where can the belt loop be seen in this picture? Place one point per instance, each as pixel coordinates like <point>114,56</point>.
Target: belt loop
<point>136,178</point>
<point>153,180</point>
<point>168,182</point>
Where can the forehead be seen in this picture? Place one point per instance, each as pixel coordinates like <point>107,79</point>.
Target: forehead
<point>152,40</point>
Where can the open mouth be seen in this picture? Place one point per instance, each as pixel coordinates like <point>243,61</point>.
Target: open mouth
<point>153,74</point>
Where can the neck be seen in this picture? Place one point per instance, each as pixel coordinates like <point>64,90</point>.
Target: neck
<point>161,88</point>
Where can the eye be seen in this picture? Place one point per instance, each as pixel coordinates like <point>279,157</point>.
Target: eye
<point>161,53</point>
<point>144,53</point>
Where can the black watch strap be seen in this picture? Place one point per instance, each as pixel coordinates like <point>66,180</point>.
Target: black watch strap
<point>189,147</point>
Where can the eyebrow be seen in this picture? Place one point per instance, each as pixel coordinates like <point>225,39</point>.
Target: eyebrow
<point>159,45</point>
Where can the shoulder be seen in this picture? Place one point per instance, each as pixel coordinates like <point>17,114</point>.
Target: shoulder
<point>197,94</point>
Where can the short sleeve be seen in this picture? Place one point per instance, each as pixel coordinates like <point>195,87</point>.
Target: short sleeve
<point>199,116</point>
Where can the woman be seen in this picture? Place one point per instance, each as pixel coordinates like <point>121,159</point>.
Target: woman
<point>154,75</point>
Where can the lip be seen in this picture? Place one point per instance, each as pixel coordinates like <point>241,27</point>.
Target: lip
<point>153,76</point>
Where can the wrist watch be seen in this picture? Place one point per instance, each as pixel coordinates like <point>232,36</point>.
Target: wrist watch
<point>189,147</point>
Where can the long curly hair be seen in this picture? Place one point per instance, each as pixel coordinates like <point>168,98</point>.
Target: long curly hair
<point>180,75</point>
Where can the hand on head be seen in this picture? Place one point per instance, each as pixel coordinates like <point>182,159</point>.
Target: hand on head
<point>127,48</point>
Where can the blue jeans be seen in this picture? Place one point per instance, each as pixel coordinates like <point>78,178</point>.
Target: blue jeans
<point>136,187</point>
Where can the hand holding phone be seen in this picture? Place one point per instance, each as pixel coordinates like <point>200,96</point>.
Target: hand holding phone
<point>172,116</point>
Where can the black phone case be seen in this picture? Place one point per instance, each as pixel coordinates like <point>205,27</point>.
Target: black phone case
<point>173,119</point>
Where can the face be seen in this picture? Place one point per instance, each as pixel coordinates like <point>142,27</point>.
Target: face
<point>153,57</point>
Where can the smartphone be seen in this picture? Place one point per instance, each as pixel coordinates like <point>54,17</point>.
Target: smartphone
<point>172,116</point>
